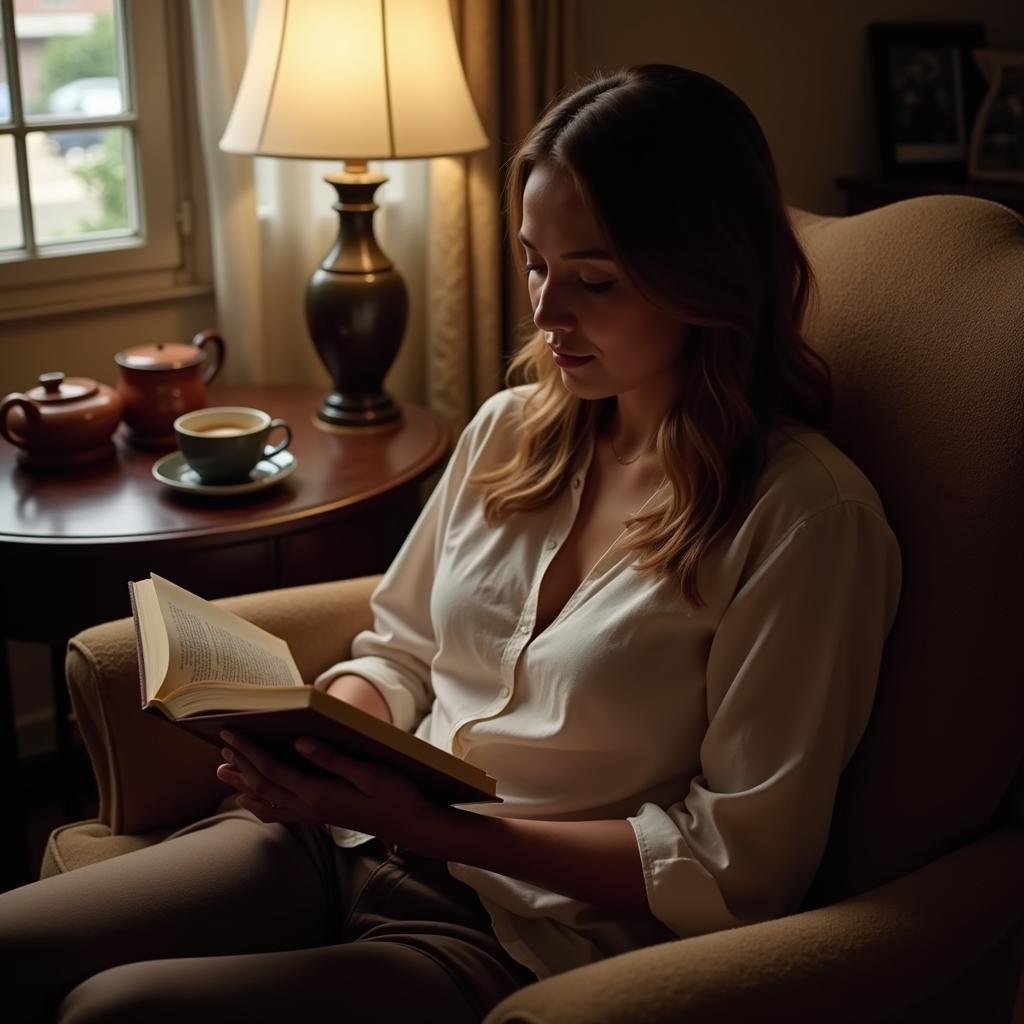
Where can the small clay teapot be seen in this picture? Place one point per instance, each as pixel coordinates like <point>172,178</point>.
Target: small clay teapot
<point>161,382</point>
<point>63,422</point>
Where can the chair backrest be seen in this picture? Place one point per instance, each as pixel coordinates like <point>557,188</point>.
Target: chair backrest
<point>920,313</point>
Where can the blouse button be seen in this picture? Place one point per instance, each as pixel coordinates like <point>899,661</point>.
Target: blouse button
<point>576,483</point>
<point>525,629</point>
<point>551,545</point>
<point>503,692</point>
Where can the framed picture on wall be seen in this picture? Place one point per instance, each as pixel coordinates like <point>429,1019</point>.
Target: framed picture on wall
<point>997,142</point>
<point>927,90</point>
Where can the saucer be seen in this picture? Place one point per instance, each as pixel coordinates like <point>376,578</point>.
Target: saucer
<point>174,471</point>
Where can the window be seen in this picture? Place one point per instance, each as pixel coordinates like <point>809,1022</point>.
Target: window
<point>93,177</point>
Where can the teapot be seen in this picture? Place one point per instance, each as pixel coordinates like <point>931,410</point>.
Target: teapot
<point>159,383</point>
<point>62,422</point>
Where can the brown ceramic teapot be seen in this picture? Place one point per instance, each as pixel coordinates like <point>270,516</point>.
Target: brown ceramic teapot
<point>63,422</point>
<point>161,382</point>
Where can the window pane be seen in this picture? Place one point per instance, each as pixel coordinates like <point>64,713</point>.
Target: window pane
<point>10,210</point>
<point>80,184</point>
<point>69,58</point>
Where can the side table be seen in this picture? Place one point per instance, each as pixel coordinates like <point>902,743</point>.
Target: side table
<point>70,541</point>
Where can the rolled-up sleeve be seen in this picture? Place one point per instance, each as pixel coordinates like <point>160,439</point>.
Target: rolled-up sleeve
<point>396,654</point>
<point>791,676</point>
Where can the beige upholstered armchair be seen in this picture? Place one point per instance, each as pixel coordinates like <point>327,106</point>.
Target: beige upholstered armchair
<point>918,910</point>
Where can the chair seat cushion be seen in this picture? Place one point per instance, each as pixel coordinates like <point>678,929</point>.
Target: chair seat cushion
<point>88,842</point>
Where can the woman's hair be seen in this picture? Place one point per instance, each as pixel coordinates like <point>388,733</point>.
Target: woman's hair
<point>680,179</point>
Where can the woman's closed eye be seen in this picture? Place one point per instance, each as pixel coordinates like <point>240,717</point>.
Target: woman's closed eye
<point>591,286</point>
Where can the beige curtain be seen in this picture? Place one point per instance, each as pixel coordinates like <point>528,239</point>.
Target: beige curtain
<point>518,54</point>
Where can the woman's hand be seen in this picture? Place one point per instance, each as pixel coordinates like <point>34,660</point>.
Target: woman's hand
<point>594,861</point>
<point>356,794</point>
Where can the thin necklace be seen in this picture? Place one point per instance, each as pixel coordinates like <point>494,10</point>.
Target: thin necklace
<point>618,458</point>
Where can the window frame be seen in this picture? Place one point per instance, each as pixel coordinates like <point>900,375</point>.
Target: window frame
<point>155,258</point>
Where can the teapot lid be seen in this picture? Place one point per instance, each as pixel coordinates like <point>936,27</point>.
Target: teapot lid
<point>55,387</point>
<point>165,355</point>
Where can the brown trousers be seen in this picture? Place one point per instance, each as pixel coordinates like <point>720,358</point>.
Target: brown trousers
<point>232,919</point>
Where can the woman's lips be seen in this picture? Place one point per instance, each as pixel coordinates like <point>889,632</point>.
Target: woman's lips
<point>568,362</point>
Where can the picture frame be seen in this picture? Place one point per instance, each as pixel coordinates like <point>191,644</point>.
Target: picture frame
<point>927,90</point>
<point>997,139</point>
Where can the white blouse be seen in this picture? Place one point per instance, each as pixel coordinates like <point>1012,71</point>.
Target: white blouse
<point>718,732</point>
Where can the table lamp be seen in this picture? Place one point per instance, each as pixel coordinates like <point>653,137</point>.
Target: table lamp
<point>354,80</point>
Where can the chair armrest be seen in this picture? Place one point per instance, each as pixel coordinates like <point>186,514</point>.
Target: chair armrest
<point>151,775</point>
<point>860,960</point>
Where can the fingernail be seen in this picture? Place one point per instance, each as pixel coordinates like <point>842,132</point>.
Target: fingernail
<point>305,745</point>
<point>228,755</point>
<point>227,737</point>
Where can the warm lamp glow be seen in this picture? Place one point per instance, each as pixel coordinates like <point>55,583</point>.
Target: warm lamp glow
<point>353,79</point>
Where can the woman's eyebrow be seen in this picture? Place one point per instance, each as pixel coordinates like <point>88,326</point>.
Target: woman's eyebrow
<point>575,254</point>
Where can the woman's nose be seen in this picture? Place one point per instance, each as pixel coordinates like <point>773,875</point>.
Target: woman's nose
<point>551,312</point>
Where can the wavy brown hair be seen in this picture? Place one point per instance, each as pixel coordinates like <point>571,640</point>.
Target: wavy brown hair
<point>682,183</point>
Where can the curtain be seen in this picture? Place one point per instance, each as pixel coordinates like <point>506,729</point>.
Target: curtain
<point>440,220</point>
<point>218,36</point>
<point>517,54</point>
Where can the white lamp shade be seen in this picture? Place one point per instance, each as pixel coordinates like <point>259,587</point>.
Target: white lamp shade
<point>353,79</point>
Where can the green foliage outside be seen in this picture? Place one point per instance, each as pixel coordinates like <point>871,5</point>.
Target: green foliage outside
<point>103,175</point>
<point>92,55</point>
<point>67,58</point>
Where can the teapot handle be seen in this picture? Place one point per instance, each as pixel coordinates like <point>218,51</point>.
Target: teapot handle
<point>16,400</point>
<point>214,359</point>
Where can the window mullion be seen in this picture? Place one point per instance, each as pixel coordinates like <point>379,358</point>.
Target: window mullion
<point>28,237</point>
<point>28,230</point>
<point>11,53</point>
<point>122,33</point>
<point>55,124</point>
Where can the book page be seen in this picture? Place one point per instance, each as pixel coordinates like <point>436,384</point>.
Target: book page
<point>209,644</point>
<point>152,636</point>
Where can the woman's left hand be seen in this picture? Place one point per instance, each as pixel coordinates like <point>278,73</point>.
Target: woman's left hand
<point>355,794</point>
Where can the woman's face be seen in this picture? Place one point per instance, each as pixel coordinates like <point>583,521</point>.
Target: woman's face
<point>604,336</point>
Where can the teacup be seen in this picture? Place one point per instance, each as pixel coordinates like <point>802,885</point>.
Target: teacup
<point>223,443</point>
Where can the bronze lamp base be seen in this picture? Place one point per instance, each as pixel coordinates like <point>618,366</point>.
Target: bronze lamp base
<point>356,309</point>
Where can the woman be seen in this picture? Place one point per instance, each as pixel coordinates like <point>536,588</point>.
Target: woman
<point>648,596</point>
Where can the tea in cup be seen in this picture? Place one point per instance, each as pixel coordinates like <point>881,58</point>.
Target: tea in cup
<point>223,443</point>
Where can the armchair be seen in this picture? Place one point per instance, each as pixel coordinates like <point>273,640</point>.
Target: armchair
<point>917,913</point>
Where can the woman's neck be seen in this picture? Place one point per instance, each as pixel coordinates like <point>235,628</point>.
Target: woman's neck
<point>631,429</point>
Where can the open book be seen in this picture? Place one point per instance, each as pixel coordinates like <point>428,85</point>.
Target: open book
<point>206,669</point>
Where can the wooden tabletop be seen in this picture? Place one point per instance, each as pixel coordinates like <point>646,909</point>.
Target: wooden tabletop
<point>118,501</point>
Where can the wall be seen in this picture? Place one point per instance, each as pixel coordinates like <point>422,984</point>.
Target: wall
<point>83,344</point>
<point>801,65</point>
